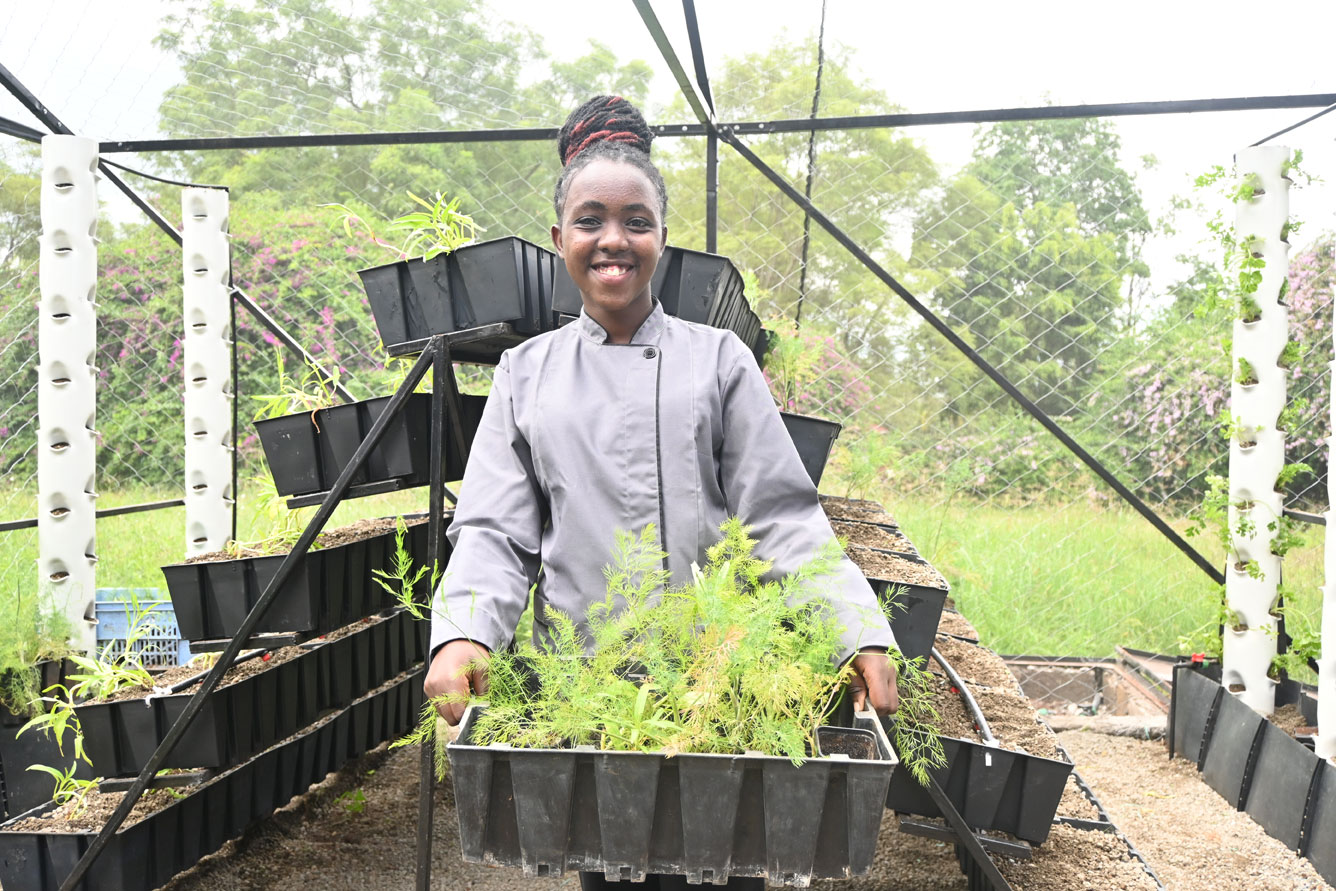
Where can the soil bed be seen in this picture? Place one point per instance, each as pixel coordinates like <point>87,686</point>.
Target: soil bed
<point>1074,858</point>
<point>893,568</point>
<point>955,623</point>
<point>868,536</point>
<point>100,806</point>
<point>856,511</point>
<point>358,531</point>
<point>1290,719</point>
<point>1075,804</point>
<point>978,666</point>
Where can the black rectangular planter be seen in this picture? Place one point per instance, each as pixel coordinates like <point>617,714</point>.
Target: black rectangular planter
<point>813,438</point>
<point>249,716</point>
<point>708,817</point>
<point>503,280</point>
<point>993,788</point>
<point>148,853</point>
<point>1320,840</point>
<point>307,451</point>
<point>328,589</point>
<point>915,609</point>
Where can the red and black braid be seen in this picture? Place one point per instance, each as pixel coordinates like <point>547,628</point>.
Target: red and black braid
<point>606,127</point>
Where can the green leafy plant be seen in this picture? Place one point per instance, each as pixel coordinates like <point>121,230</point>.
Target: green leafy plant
<point>33,628</point>
<point>281,526</point>
<point>1247,374</point>
<point>729,663</point>
<point>1291,355</point>
<point>1292,414</point>
<point>69,788</point>
<point>1305,643</point>
<point>864,464</point>
<point>314,390</point>
<point>438,228</point>
<point>353,801</point>
<point>404,580</point>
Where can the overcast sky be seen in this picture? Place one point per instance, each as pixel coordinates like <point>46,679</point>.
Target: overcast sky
<point>91,61</point>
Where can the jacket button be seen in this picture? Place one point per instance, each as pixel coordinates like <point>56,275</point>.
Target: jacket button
<point>650,352</point>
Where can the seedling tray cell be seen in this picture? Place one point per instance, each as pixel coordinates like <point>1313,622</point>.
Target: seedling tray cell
<point>708,817</point>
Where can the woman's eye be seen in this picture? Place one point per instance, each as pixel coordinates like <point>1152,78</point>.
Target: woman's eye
<point>639,223</point>
<point>586,222</point>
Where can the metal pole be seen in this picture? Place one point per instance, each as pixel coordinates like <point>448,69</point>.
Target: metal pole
<point>285,570</point>
<point>712,193</point>
<point>811,168</point>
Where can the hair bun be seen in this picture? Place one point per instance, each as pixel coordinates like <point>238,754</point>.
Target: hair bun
<point>603,119</point>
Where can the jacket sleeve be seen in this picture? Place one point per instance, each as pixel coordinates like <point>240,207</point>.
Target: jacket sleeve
<point>496,532</point>
<point>765,484</point>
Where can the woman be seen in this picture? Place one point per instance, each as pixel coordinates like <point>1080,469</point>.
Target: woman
<point>623,418</point>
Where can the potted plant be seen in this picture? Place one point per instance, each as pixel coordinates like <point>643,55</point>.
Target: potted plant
<point>308,440</point>
<point>455,283</point>
<point>710,702</point>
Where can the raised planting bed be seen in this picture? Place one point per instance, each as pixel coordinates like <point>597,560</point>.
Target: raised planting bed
<point>1013,785</point>
<point>1255,765</point>
<point>260,701</point>
<point>691,285</point>
<point>915,590</point>
<point>506,280</point>
<point>307,451</point>
<point>331,586</point>
<point>20,788</point>
<point>708,817</point>
<point>166,833</point>
<point>856,510</point>
<point>813,438</point>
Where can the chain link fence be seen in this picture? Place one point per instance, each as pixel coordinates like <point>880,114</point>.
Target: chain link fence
<point>1065,259</point>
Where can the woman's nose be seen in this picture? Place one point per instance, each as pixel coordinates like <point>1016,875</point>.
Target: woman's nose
<point>613,237</point>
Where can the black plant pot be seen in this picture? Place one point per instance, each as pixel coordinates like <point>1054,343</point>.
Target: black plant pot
<point>504,280</point>
<point>708,817</point>
<point>307,451</point>
<point>1321,837</point>
<point>813,438</point>
<point>915,609</point>
<point>992,788</point>
<point>328,589</point>
<point>146,854</point>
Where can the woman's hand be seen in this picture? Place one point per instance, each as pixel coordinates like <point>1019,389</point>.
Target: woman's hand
<point>874,682</point>
<point>459,669</point>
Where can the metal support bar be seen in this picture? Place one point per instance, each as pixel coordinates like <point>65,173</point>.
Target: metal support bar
<point>1007,847</point>
<point>285,570</point>
<point>712,193</point>
<point>31,523</point>
<point>811,168</point>
<point>697,53</point>
<point>983,365</point>
<point>794,125</point>
<point>670,57</point>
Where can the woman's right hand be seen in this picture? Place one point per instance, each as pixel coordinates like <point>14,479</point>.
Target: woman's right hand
<point>459,669</point>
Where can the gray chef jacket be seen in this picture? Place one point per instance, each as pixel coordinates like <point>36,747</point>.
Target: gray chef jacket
<point>582,437</point>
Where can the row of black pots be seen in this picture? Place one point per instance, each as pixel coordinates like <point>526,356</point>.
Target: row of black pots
<point>329,588</point>
<point>20,788</point>
<point>244,718</point>
<point>148,853</point>
<point>1255,766</point>
<point>503,280</point>
<point>307,451</point>
<point>708,817</point>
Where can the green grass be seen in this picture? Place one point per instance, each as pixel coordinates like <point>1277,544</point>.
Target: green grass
<point>1079,579</point>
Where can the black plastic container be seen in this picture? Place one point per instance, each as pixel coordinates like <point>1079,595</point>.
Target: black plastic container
<point>993,788</point>
<point>1321,837</point>
<point>307,451</point>
<point>813,438</point>
<point>146,854</point>
<point>915,609</point>
<point>328,589</point>
<point>504,280</point>
<point>708,817</point>
<point>250,715</point>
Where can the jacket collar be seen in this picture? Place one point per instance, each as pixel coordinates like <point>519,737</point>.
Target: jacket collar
<point>650,330</point>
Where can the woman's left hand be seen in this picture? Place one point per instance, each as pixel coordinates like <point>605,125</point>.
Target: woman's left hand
<point>873,682</point>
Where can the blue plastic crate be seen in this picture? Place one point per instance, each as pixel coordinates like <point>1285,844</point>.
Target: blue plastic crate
<point>160,646</point>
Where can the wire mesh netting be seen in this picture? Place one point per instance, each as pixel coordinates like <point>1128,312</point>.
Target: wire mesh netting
<point>1062,251</point>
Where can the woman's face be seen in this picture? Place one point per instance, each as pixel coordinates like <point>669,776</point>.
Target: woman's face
<point>611,237</point>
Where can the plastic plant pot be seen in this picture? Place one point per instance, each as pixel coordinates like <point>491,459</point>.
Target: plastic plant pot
<point>504,280</point>
<point>708,817</point>
<point>813,438</point>
<point>916,609</point>
<point>307,451</point>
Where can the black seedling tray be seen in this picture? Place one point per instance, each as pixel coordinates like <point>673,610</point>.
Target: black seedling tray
<point>329,588</point>
<point>148,853</point>
<point>247,717</point>
<point>307,451</point>
<point>708,817</point>
<point>813,438</point>
<point>504,280</point>
<point>915,610</point>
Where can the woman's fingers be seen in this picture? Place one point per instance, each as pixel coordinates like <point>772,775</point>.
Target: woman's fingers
<point>458,670</point>
<point>874,683</point>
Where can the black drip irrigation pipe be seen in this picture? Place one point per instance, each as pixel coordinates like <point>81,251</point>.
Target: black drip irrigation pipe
<point>985,732</point>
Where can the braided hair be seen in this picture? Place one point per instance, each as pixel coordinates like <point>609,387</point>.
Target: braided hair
<point>606,127</point>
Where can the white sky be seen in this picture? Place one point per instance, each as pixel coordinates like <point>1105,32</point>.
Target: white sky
<point>92,62</point>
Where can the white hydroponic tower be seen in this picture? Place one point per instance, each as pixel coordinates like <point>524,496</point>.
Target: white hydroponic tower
<point>67,383</point>
<point>1257,451</point>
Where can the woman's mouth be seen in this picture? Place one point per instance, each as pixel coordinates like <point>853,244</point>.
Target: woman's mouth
<point>612,270</point>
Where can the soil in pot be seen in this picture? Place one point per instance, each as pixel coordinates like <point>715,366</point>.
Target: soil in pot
<point>868,536</point>
<point>1290,719</point>
<point>100,806</point>
<point>855,510</point>
<point>1075,858</point>
<point>955,624</point>
<point>895,569</point>
<point>977,666</point>
<point>357,531</point>
<point>1010,716</point>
